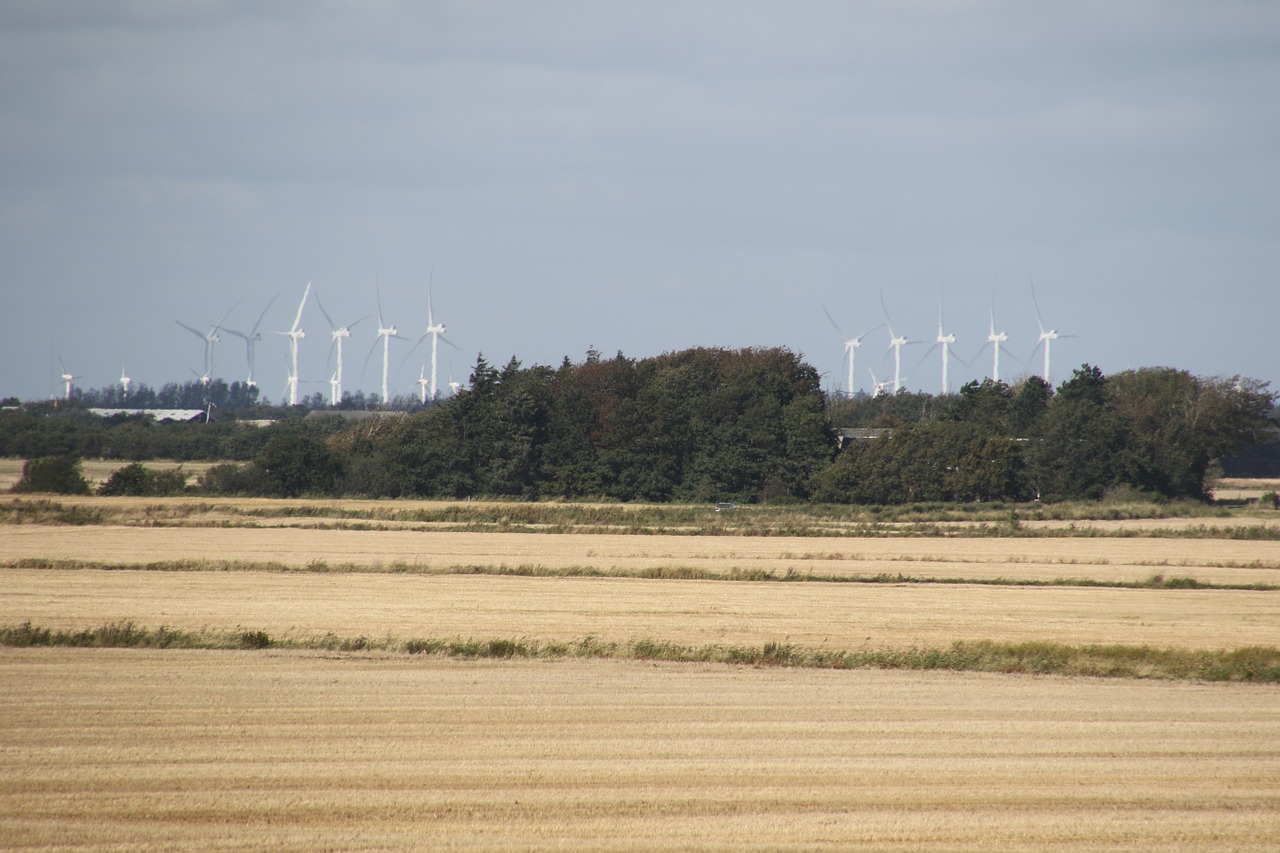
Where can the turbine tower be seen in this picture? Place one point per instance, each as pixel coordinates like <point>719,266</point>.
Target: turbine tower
<point>339,334</point>
<point>251,339</point>
<point>1047,337</point>
<point>124,382</point>
<point>850,347</point>
<point>436,331</point>
<point>295,334</point>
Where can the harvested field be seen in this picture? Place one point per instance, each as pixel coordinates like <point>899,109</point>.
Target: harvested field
<point>181,750</point>
<point>1216,561</point>
<point>837,616</point>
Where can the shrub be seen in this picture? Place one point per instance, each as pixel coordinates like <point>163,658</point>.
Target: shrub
<point>57,474</point>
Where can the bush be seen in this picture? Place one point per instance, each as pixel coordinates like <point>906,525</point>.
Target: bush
<point>138,481</point>
<point>228,478</point>
<point>56,474</point>
<point>1270,500</point>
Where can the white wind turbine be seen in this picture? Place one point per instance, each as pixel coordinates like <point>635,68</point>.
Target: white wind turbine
<point>1047,337</point>
<point>850,347</point>
<point>896,343</point>
<point>339,334</point>
<point>386,333</point>
<point>251,339</point>
<point>67,378</point>
<point>295,334</point>
<point>124,382</point>
<point>422,382</point>
<point>996,341</point>
<point>944,341</point>
<point>436,331</point>
<point>878,386</point>
<point>210,338</point>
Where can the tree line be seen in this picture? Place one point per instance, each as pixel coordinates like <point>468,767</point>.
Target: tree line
<point>709,424</point>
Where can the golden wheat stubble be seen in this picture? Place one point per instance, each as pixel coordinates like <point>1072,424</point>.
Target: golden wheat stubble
<point>246,750</point>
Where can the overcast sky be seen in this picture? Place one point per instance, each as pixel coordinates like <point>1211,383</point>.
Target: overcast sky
<point>637,176</point>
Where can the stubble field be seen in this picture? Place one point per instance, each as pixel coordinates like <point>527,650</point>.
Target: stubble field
<point>286,748</point>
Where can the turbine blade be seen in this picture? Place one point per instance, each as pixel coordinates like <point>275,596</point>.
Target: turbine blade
<point>254,331</point>
<point>869,331</point>
<point>298,319</point>
<point>218,325</point>
<point>195,332</point>
<point>376,341</point>
<point>411,349</point>
<point>451,343</point>
<point>430,285</point>
<point>325,313</point>
<point>1035,302</point>
<point>834,324</point>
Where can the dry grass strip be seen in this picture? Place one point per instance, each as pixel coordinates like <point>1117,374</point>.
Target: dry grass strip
<point>837,616</point>
<point>1110,560</point>
<point>186,751</point>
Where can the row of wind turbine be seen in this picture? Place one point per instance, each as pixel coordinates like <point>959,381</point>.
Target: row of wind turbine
<point>338,334</point>
<point>944,341</point>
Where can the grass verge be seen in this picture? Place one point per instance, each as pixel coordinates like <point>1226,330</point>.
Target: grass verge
<point>1155,581</point>
<point>1252,664</point>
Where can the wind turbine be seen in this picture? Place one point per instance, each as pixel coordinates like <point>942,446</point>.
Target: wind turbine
<point>850,346</point>
<point>896,343</point>
<point>124,382</point>
<point>1047,337</point>
<point>67,377</point>
<point>876,384</point>
<point>422,381</point>
<point>386,333</point>
<point>210,338</point>
<point>945,341</point>
<point>251,339</point>
<point>436,331</point>
<point>996,340</point>
<point>295,334</point>
<point>339,333</point>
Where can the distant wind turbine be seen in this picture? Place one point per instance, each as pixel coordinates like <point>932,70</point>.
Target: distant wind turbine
<point>944,341</point>
<point>251,338</point>
<point>436,331</point>
<point>996,341</point>
<point>295,334</point>
<point>210,338</point>
<point>896,343</point>
<point>124,382</point>
<point>67,377</point>
<point>876,384</point>
<point>422,382</point>
<point>850,347</point>
<point>1047,337</point>
<point>339,334</point>
<point>386,333</point>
